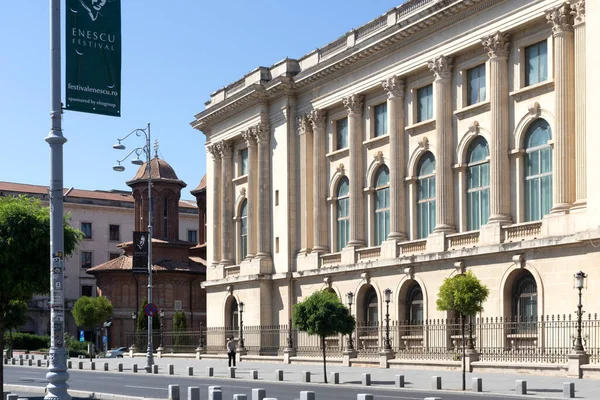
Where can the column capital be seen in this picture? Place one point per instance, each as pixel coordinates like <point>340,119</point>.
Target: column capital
<point>261,132</point>
<point>213,149</point>
<point>394,86</point>
<point>354,103</point>
<point>560,18</point>
<point>441,66</point>
<point>318,118</point>
<point>578,11</point>
<point>249,137</point>
<point>304,124</point>
<point>497,44</point>
<point>225,149</point>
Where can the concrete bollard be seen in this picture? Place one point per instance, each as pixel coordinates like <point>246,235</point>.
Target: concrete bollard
<point>30,362</point>
<point>521,387</point>
<point>399,381</point>
<point>190,371</point>
<point>366,379</point>
<point>21,361</point>
<point>232,372</point>
<point>47,363</point>
<point>211,391</point>
<point>120,367</point>
<point>105,366</point>
<point>436,383</point>
<point>12,396</point>
<point>69,364</point>
<point>92,366</point>
<point>13,361</point>
<point>171,369</point>
<point>364,396</point>
<point>305,376</point>
<point>216,394</point>
<point>240,397</point>
<point>173,392</point>
<point>4,394</point>
<point>254,374</point>
<point>477,385</point>
<point>39,363</point>
<point>335,378</point>
<point>210,371</point>
<point>279,375</point>
<point>259,394</point>
<point>155,369</point>
<point>80,365</point>
<point>45,356</point>
<point>568,390</point>
<point>134,368</point>
<point>193,393</point>
<point>307,395</point>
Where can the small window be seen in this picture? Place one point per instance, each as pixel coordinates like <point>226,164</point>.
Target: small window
<point>277,197</point>
<point>380,115</point>
<point>86,228</point>
<point>165,217</point>
<point>425,103</point>
<point>86,290</point>
<point>114,233</point>
<point>341,128</point>
<point>112,256</point>
<point>476,85</point>
<point>192,235</point>
<point>177,305</point>
<point>244,161</point>
<point>86,259</point>
<point>536,63</point>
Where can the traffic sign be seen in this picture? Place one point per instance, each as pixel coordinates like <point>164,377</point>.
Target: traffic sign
<point>104,339</point>
<point>150,309</point>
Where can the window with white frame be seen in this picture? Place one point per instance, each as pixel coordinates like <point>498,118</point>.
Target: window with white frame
<point>536,63</point>
<point>244,162</point>
<point>426,196</point>
<point>478,184</point>
<point>382,205</point>
<point>380,127</point>
<point>538,171</point>
<point>425,103</point>
<point>341,136</point>
<point>476,85</point>
<point>343,213</point>
<point>244,230</point>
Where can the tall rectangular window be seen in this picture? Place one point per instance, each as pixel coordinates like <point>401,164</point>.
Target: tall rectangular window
<point>86,228</point>
<point>244,162</point>
<point>112,256</point>
<point>86,259</point>
<point>86,290</point>
<point>476,85</point>
<point>341,128</point>
<point>114,233</point>
<point>425,103</point>
<point>380,115</point>
<point>192,235</point>
<point>536,63</point>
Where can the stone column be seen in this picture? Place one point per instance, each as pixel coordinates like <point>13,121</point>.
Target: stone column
<point>441,66</point>
<point>305,131</point>
<point>578,11</point>
<point>263,137</point>
<point>498,46</point>
<point>251,193</point>
<point>215,191</point>
<point>318,119</point>
<point>354,105</point>
<point>227,241</point>
<point>394,87</point>
<point>563,184</point>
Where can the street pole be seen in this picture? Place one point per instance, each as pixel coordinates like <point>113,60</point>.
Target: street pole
<point>149,354</point>
<point>57,374</point>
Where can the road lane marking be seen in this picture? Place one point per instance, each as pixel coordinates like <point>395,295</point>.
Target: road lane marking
<point>147,387</point>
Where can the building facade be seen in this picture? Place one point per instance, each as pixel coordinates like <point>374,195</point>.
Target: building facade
<point>441,137</point>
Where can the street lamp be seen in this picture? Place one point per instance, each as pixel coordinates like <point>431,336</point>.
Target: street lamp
<point>579,284</point>
<point>388,298</point>
<point>135,336</point>
<point>145,150</point>
<point>161,314</point>
<point>241,311</point>
<point>349,299</point>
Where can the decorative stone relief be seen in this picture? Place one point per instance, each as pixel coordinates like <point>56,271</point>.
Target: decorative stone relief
<point>318,118</point>
<point>578,11</point>
<point>340,169</point>
<point>424,143</point>
<point>474,127</point>
<point>409,272</point>
<point>261,132</point>
<point>497,44</point>
<point>243,192</point>
<point>354,103</point>
<point>394,86</point>
<point>441,66</point>
<point>304,124</point>
<point>249,137</point>
<point>379,157</point>
<point>459,266</point>
<point>225,149</point>
<point>365,277</point>
<point>534,109</point>
<point>230,289</point>
<point>519,260</point>
<point>213,149</point>
<point>560,18</point>
<point>327,281</point>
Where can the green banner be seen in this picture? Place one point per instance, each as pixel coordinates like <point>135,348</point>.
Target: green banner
<point>93,56</point>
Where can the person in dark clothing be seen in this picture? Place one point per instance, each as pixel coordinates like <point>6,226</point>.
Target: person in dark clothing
<point>231,351</point>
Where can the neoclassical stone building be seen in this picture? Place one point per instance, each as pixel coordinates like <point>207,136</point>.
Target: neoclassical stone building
<point>440,137</point>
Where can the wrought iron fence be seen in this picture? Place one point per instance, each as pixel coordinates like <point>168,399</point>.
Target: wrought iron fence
<point>547,339</point>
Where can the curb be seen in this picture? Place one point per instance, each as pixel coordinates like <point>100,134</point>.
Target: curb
<point>76,393</point>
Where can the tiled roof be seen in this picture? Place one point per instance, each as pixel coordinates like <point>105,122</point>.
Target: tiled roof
<point>160,170</point>
<point>124,263</point>
<point>201,186</point>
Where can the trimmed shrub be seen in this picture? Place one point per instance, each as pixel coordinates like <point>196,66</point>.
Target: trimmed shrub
<point>27,341</point>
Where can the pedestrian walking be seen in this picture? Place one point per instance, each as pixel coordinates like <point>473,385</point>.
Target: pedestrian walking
<point>231,350</point>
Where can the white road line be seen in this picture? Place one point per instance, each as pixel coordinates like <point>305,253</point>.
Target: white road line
<point>147,387</point>
<point>396,397</point>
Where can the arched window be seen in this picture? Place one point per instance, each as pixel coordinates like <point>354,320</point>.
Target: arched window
<point>343,213</point>
<point>371,307</point>
<point>538,171</point>
<point>234,315</point>
<point>524,301</point>
<point>478,184</point>
<point>382,205</point>
<point>426,196</point>
<point>414,305</point>
<point>244,230</point>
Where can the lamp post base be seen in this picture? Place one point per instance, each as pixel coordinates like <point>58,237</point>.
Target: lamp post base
<point>576,360</point>
<point>288,354</point>
<point>347,355</point>
<point>384,356</point>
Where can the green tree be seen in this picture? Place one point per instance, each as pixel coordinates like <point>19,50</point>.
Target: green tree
<point>91,312</point>
<point>324,315</point>
<point>465,295</point>
<point>15,316</point>
<point>179,325</point>
<point>25,252</point>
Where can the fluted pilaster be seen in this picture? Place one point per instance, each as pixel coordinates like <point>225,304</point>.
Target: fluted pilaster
<point>394,86</point>
<point>563,184</point>
<point>263,137</point>
<point>251,197</point>
<point>578,11</point>
<point>305,131</point>
<point>354,105</point>
<point>226,151</point>
<point>318,119</point>
<point>214,187</point>
<point>498,46</point>
<point>441,66</point>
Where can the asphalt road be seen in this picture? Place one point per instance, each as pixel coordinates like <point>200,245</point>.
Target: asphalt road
<point>155,386</point>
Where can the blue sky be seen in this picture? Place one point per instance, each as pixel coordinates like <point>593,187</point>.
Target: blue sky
<point>175,53</point>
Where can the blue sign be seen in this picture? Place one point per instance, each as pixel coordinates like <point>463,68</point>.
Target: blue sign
<point>150,310</point>
<point>104,339</point>
<point>81,336</point>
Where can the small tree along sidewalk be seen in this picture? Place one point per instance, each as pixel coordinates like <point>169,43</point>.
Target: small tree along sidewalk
<point>323,314</point>
<point>91,312</point>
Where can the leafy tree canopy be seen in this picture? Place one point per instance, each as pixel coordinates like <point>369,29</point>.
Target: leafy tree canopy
<point>179,321</point>
<point>15,315</point>
<point>323,314</point>
<point>463,293</point>
<point>90,312</point>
